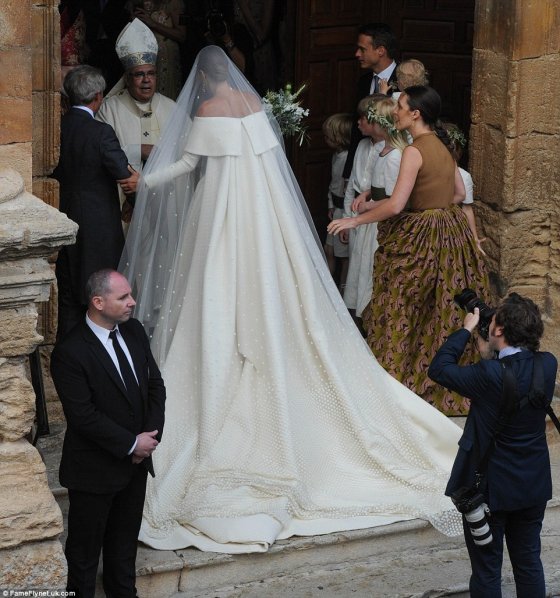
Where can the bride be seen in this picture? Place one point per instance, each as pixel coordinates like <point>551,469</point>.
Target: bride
<point>280,420</point>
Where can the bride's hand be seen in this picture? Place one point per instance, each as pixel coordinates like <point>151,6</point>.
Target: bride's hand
<point>341,224</point>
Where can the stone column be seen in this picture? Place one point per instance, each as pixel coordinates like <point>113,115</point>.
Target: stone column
<point>30,520</point>
<point>46,84</point>
<point>515,149</point>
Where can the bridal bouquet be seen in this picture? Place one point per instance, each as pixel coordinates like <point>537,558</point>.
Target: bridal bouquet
<point>286,109</point>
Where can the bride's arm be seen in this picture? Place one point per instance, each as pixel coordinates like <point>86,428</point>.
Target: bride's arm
<point>185,164</point>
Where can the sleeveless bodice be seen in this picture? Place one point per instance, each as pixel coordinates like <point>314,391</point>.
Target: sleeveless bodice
<point>435,183</point>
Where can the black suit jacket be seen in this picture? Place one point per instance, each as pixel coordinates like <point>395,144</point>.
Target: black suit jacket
<point>101,428</point>
<point>364,85</point>
<point>91,160</point>
<point>519,468</point>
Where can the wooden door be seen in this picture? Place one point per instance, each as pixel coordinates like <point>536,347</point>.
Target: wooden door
<point>440,34</point>
<point>437,32</point>
<point>325,38</point>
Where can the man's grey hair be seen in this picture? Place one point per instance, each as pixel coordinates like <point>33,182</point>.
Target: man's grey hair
<point>99,284</point>
<point>82,84</point>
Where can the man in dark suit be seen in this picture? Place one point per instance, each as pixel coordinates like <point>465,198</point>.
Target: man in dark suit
<point>518,480</point>
<point>91,162</point>
<point>375,50</point>
<point>113,398</point>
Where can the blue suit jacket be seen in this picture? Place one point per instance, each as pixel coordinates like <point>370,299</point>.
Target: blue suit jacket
<point>519,467</point>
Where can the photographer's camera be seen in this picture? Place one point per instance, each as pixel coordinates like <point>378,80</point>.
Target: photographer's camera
<point>468,300</point>
<point>216,24</point>
<point>471,504</point>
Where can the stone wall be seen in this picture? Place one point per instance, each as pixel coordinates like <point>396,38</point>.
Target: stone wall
<point>30,232</point>
<point>46,83</point>
<point>30,519</point>
<point>15,87</point>
<point>515,149</point>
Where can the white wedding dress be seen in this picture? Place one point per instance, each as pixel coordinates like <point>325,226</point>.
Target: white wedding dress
<point>279,420</point>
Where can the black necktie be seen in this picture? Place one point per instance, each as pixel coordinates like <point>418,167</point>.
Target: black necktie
<point>375,83</point>
<point>126,371</point>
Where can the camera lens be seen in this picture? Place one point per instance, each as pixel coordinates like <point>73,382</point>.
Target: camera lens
<point>478,525</point>
<point>468,300</point>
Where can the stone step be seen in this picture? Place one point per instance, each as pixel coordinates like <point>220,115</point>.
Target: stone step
<point>398,559</point>
<point>403,559</point>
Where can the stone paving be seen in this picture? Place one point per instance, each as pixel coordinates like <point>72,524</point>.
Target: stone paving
<point>406,559</point>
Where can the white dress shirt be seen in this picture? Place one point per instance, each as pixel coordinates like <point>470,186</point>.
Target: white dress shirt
<point>103,335</point>
<point>360,178</point>
<point>384,74</point>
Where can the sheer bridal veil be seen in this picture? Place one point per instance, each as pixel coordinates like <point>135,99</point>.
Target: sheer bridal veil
<point>214,88</point>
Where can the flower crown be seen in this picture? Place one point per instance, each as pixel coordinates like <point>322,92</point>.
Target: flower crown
<point>456,136</point>
<point>383,121</point>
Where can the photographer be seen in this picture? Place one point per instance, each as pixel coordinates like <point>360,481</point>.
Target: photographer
<point>513,478</point>
<point>213,22</point>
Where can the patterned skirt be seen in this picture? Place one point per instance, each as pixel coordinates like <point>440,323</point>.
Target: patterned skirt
<point>423,260</point>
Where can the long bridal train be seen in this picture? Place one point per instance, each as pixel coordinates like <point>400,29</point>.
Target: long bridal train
<point>280,421</point>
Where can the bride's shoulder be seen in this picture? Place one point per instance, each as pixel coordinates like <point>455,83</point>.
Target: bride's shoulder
<point>213,107</point>
<point>253,101</point>
<point>233,104</point>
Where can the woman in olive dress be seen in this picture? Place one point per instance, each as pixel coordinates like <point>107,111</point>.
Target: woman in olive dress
<point>426,254</point>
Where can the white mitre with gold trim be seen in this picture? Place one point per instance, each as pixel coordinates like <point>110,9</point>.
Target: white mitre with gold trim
<point>136,45</point>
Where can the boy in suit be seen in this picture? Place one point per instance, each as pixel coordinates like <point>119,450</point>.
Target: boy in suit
<point>113,398</point>
<point>518,474</point>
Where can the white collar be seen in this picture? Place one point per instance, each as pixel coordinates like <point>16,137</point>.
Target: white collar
<point>101,333</point>
<point>507,351</point>
<point>85,109</point>
<point>386,73</point>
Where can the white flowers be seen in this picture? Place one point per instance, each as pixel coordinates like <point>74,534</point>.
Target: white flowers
<point>287,111</point>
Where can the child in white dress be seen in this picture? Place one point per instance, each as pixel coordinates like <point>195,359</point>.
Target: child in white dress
<point>383,179</point>
<point>336,130</point>
<point>459,142</point>
<point>360,180</point>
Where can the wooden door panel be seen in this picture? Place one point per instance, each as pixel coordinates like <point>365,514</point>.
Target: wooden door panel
<point>440,34</point>
<point>325,40</point>
<point>437,32</point>
<point>333,12</point>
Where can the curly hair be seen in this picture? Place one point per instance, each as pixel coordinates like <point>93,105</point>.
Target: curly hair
<point>521,320</point>
<point>411,72</point>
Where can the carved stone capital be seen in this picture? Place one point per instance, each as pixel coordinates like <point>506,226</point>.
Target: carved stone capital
<point>28,226</point>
